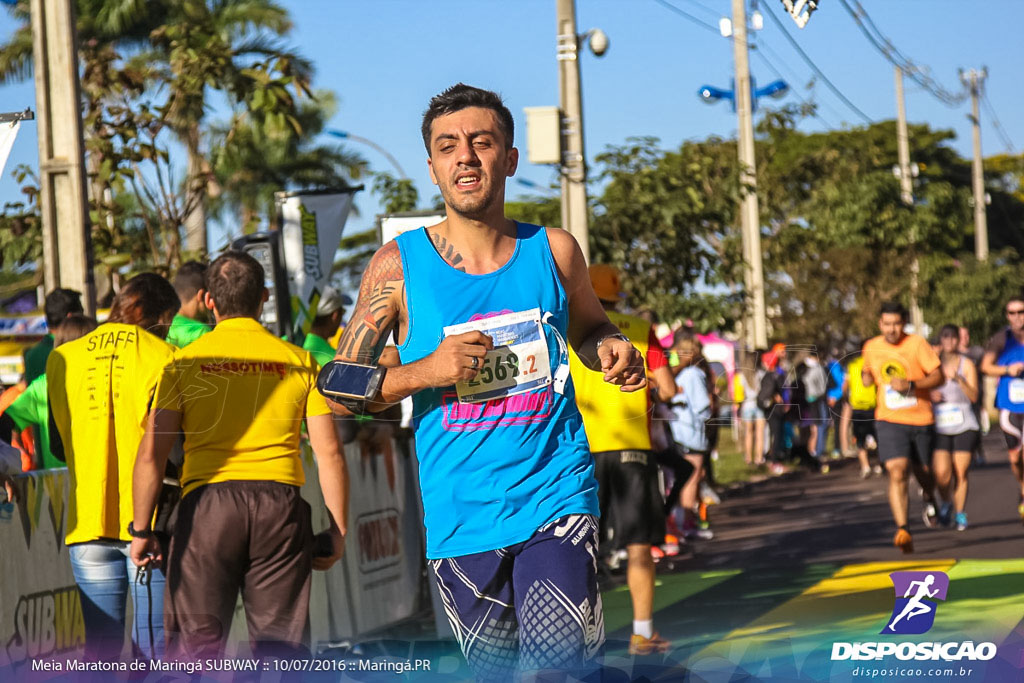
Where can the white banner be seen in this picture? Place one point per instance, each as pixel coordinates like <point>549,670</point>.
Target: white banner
<point>311,228</point>
<point>7,134</point>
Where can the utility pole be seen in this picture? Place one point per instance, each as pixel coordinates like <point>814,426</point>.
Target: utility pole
<point>67,244</point>
<point>574,163</point>
<point>907,195</point>
<point>757,331</point>
<point>974,80</point>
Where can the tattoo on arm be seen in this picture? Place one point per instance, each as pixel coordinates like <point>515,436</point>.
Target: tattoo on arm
<point>447,251</point>
<point>376,312</point>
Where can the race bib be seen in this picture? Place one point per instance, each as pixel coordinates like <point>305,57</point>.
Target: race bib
<point>1017,390</point>
<point>894,400</point>
<point>949,415</point>
<point>517,364</point>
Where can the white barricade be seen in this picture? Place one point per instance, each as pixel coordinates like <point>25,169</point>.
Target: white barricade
<point>377,582</point>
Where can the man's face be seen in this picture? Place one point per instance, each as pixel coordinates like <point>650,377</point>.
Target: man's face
<point>891,326</point>
<point>965,338</point>
<point>469,162</point>
<point>1015,315</point>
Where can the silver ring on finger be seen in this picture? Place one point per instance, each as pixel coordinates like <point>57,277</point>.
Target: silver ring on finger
<point>474,362</point>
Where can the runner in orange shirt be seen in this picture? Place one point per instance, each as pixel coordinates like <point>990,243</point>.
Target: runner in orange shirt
<point>904,367</point>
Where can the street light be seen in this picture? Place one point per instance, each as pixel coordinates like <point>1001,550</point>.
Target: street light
<point>345,135</point>
<point>775,89</point>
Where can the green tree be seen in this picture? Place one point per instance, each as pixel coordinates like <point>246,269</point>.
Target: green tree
<point>251,162</point>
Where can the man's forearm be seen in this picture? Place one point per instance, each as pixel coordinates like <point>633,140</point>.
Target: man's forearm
<point>334,485</point>
<point>148,476</point>
<point>401,382</point>
<point>587,350</point>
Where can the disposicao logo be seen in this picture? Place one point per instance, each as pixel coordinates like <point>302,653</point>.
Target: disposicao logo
<point>916,593</point>
<point>913,613</point>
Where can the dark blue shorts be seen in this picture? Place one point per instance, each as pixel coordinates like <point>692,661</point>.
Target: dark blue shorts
<point>531,606</point>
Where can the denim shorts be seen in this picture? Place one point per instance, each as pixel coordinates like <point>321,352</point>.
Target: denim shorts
<point>749,412</point>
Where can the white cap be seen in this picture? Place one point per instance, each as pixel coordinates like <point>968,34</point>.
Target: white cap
<point>331,300</point>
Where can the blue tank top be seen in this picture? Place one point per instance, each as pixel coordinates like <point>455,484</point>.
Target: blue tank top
<point>1011,387</point>
<point>492,473</point>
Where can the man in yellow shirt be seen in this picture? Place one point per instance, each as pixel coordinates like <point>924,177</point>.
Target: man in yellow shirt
<point>618,427</point>
<point>240,395</point>
<point>903,367</point>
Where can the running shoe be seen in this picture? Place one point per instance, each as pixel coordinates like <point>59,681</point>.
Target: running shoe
<point>777,468</point>
<point>642,647</point>
<point>929,516</point>
<point>708,495</point>
<point>698,533</point>
<point>865,472</point>
<point>615,560</point>
<point>961,521</point>
<point>903,541</point>
<point>946,514</point>
<point>877,469</point>
<point>657,553</point>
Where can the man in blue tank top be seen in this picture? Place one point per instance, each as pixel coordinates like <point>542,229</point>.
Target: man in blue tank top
<point>1004,358</point>
<point>482,309</point>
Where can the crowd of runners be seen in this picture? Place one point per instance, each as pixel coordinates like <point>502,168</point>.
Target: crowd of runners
<point>553,432</point>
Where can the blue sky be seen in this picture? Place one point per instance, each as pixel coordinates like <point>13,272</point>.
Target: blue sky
<point>384,59</point>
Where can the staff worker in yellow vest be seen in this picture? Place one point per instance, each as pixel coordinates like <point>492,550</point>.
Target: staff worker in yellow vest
<point>240,395</point>
<point>100,388</point>
<point>618,427</point>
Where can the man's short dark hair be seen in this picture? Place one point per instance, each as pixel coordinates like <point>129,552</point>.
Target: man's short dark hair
<point>1019,296</point>
<point>235,281</point>
<point>894,307</point>
<point>461,96</point>
<point>59,304</point>
<point>190,278</point>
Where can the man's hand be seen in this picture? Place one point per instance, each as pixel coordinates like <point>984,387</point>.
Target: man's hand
<point>622,364</point>
<point>328,547</point>
<point>453,362</point>
<point>1014,369</point>
<point>12,492</point>
<point>146,552</point>
<point>900,384</point>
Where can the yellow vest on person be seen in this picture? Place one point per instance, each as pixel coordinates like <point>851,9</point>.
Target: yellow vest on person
<point>100,389</point>
<point>614,420</point>
<point>861,397</point>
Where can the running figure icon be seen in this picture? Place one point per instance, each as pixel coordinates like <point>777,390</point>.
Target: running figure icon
<point>916,606</point>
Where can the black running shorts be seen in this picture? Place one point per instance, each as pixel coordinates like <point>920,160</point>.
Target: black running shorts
<point>904,441</point>
<point>863,422</point>
<point>630,499</point>
<point>955,443</point>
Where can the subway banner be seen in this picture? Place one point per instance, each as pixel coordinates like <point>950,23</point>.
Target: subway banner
<point>40,612</point>
<point>376,583</point>
<point>311,225</point>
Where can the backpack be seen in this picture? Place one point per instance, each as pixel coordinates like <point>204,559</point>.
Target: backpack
<point>766,392</point>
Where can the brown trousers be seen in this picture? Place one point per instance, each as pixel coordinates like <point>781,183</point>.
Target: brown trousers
<point>253,536</point>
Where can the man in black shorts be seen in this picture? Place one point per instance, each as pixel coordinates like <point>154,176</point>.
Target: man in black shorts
<point>618,431</point>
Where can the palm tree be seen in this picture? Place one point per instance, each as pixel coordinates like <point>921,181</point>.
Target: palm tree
<point>252,161</point>
<point>230,46</point>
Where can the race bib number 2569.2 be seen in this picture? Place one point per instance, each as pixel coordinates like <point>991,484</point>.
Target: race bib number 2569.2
<point>517,364</point>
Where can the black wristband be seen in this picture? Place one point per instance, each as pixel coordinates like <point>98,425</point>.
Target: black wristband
<point>138,533</point>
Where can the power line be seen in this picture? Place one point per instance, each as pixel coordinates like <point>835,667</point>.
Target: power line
<point>700,22</point>
<point>1003,135</point>
<point>704,7</point>
<point>763,50</point>
<point>897,58</point>
<point>813,106</point>
<point>814,67</point>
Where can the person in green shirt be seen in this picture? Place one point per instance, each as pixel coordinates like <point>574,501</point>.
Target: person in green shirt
<point>31,408</point>
<point>59,304</point>
<point>188,324</point>
<point>329,314</point>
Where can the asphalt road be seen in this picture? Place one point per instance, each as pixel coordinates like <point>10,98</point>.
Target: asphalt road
<point>838,517</point>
